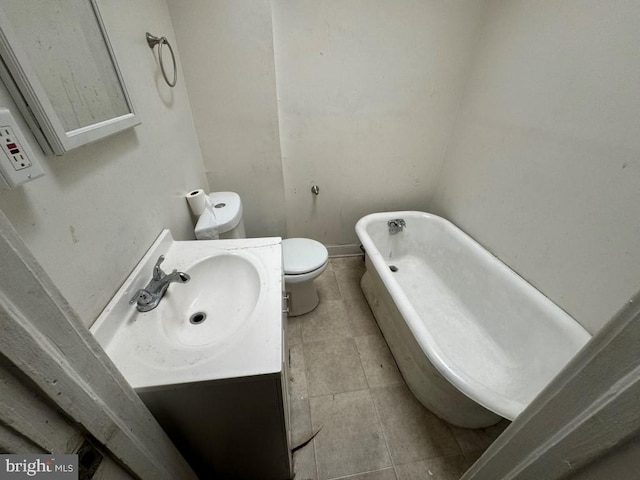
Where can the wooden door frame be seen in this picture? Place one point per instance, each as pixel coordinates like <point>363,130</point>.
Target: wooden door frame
<point>43,337</point>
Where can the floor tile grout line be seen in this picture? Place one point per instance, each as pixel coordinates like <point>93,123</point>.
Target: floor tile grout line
<point>428,459</point>
<point>366,378</point>
<point>313,442</point>
<point>308,400</point>
<point>453,434</point>
<point>315,454</point>
<point>340,393</point>
<point>384,435</point>
<point>395,471</point>
<point>352,475</point>
<point>457,441</point>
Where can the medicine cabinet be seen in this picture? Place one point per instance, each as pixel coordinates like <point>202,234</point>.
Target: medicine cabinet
<point>59,67</point>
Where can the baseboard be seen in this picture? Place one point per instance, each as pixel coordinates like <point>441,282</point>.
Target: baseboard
<point>344,250</point>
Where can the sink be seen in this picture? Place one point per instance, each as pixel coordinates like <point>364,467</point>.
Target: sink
<point>209,361</point>
<point>225,322</point>
<point>210,309</point>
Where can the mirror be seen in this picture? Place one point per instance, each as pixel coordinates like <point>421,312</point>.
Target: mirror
<point>59,63</point>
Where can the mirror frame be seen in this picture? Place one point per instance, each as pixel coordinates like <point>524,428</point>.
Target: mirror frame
<point>35,101</point>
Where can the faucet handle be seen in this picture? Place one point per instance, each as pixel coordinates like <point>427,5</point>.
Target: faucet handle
<point>157,271</point>
<point>142,297</point>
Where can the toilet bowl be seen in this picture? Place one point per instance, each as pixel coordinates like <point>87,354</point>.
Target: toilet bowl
<point>304,260</point>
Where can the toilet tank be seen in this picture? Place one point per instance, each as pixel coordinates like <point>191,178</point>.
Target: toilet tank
<point>222,218</point>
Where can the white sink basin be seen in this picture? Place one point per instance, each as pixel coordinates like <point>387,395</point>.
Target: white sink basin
<point>220,297</point>
<point>225,322</point>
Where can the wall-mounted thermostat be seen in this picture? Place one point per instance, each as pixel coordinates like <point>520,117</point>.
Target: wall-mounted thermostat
<point>18,164</point>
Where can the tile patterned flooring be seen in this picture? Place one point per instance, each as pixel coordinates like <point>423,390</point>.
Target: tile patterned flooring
<point>344,382</point>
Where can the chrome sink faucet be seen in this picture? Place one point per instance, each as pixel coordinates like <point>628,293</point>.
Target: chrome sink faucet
<point>396,225</point>
<point>149,297</point>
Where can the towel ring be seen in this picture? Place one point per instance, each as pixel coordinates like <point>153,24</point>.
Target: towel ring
<point>153,41</point>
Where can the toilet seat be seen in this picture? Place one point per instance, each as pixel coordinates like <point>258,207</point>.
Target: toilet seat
<point>302,256</point>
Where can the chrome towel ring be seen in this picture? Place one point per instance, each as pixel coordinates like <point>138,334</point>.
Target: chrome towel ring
<point>153,41</point>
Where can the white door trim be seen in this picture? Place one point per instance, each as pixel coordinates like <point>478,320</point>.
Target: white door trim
<point>43,337</point>
<point>588,410</point>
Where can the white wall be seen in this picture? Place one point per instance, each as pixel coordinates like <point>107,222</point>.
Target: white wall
<point>367,94</point>
<point>368,91</point>
<point>227,52</point>
<point>99,208</point>
<point>544,164</point>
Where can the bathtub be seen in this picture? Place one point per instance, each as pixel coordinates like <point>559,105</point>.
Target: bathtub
<point>474,341</point>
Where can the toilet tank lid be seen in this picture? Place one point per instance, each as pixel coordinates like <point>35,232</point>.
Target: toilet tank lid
<point>227,207</point>
<point>302,255</point>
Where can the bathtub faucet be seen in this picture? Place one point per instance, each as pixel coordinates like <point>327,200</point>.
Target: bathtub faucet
<point>396,225</point>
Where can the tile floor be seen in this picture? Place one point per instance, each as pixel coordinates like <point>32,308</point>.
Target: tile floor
<point>344,381</point>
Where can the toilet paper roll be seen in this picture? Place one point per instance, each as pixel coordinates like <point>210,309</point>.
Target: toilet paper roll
<point>197,201</point>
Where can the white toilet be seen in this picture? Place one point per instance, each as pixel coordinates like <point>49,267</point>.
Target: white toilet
<point>303,259</point>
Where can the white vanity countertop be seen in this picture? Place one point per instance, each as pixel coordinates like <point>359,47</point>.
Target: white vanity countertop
<point>147,356</point>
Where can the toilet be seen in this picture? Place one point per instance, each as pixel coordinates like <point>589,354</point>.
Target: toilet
<point>303,259</point>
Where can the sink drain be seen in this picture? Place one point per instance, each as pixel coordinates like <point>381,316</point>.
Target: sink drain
<point>393,268</point>
<point>198,318</point>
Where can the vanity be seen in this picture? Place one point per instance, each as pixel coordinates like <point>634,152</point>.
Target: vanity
<point>210,361</point>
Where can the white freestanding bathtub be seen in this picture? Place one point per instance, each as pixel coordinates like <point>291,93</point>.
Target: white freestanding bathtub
<point>474,341</point>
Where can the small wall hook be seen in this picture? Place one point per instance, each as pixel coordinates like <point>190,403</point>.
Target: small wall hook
<point>315,190</point>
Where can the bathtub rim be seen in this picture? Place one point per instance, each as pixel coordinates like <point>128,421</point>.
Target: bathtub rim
<point>485,396</point>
